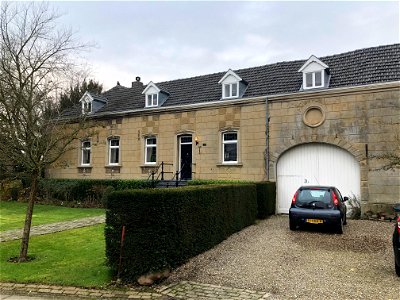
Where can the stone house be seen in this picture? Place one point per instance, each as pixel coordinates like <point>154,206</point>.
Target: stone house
<point>316,121</point>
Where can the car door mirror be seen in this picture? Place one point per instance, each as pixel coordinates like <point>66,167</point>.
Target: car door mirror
<point>345,199</point>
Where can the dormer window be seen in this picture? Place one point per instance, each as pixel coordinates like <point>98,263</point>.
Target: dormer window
<point>86,107</point>
<point>230,90</point>
<point>315,74</point>
<point>232,85</point>
<point>152,100</point>
<point>91,103</point>
<point>314,79</point>
<point>154,96</point>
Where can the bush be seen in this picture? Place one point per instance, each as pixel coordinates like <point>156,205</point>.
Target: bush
<point>10,189</point>
<point>266,199</point>
<point>84,192</point>
<point>165,227</point>
<point>216,181</point>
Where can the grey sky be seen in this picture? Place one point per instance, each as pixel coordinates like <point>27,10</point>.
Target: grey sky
<point>169,40</point>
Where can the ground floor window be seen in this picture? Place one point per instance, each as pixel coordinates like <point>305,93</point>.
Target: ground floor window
<point>229,147</point>
<point>113,151</point>
<point>86,148</point>
<point>151,150</point>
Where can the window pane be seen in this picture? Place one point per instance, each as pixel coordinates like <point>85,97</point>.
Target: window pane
<point>85,156</point>
<point>227,90</point>
<point>231,136</point>
<point>86,144</point>
<point>114,155</point>
<point>155,99</point>
<point>186,139</point>
<point>114,142</point>
<point>230,152</point>
<point>318,79</point>
<point>234,89</point>
<point>309,80</point>
<point>151,141</point>
<point>148,100</point>
<point>151,154</point>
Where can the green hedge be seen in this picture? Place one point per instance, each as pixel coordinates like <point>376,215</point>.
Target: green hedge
<point>165,227</point>
<point>84,192</point>
<point>266,199</point>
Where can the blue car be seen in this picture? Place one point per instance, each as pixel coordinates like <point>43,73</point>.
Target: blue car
<point>396,241</point>
<point>319,206</point>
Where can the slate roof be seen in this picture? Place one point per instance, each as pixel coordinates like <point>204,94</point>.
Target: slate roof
<point>360,67</point>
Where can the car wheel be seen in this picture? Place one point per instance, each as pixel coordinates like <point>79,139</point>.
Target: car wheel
<point>339,229</point>
<point>397,267</point>
<point>345,220</point>
<point>292,225</point>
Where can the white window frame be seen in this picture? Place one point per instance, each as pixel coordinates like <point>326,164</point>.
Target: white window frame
<point>85,107</point>
<point>224,96</point>
<point>154,100</point>
<point>230,142</point>
<point>313,80</point>
<point>83,149</point>
<point>146,146</point>
<point>114,147</point>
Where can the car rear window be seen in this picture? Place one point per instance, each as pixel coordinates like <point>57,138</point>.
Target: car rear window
<point>317,197</point>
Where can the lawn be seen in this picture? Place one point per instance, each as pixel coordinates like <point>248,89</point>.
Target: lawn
<point>12,214</point>
<point>74,257</point>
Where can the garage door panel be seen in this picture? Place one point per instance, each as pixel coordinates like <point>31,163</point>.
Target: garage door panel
<point>315,164</point>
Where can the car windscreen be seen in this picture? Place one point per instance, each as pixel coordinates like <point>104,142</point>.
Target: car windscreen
<point>315,198</point>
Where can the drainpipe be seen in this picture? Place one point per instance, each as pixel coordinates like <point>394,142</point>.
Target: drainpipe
<point>266,158</point>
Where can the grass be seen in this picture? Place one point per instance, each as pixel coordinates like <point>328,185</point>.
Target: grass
<point>74,257</point>
<point>12,214</point>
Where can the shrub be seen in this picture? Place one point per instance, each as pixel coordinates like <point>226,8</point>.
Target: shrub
<point>216,181</point>
<point>84,192</point>
<point>266,199</point>
<point>354,208</point>
<point>165,227</point>
<point>10,189</point>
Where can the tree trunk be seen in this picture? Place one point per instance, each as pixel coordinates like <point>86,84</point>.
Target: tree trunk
<point>23,255</point>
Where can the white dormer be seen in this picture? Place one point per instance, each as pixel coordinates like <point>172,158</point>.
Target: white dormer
<point>315,74</point>
<point>230,85</point>
<point>86,100</point>
<point>151,93</point>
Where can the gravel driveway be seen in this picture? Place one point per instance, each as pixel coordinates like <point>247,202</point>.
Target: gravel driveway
<point>302,264</point>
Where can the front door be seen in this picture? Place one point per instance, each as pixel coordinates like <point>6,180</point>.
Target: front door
<point>185,157</point>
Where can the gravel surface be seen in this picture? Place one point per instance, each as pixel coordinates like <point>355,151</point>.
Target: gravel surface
<point>304,264</point>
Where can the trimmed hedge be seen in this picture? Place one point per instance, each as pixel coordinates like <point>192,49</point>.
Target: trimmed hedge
<point>85,192</point>
<point>266,199</point>
<point>165,227</point>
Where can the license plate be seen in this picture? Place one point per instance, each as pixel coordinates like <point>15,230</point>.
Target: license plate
<point>315,221</point>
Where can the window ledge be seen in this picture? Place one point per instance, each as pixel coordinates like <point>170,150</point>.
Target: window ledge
<point>112,166</point>
<point>149,166</point>
<point>238,164</point>
<point>84,167</point>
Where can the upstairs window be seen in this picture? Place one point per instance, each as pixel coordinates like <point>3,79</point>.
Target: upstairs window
<point>313,79</point>
<point>86,107</point>
<point>86,153</point>
<point>229,147</point>
<point>152,100</point>
<point>113,151</point>
<point>151,150</point>
<point>231,90</point>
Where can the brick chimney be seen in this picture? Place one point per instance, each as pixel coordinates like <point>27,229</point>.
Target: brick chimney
<point>137,83</point>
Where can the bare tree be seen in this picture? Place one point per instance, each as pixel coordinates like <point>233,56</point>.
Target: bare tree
<point>35,58</point>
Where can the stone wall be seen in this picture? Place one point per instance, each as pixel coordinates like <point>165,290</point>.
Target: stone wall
<point>363,121</point>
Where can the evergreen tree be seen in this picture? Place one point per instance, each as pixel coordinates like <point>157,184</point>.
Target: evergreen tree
<point>75,93</point>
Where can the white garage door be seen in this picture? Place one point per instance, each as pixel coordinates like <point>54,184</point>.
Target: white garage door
<point>316,164</point>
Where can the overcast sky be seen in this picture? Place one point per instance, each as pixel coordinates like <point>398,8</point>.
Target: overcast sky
<point>161,41</point>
